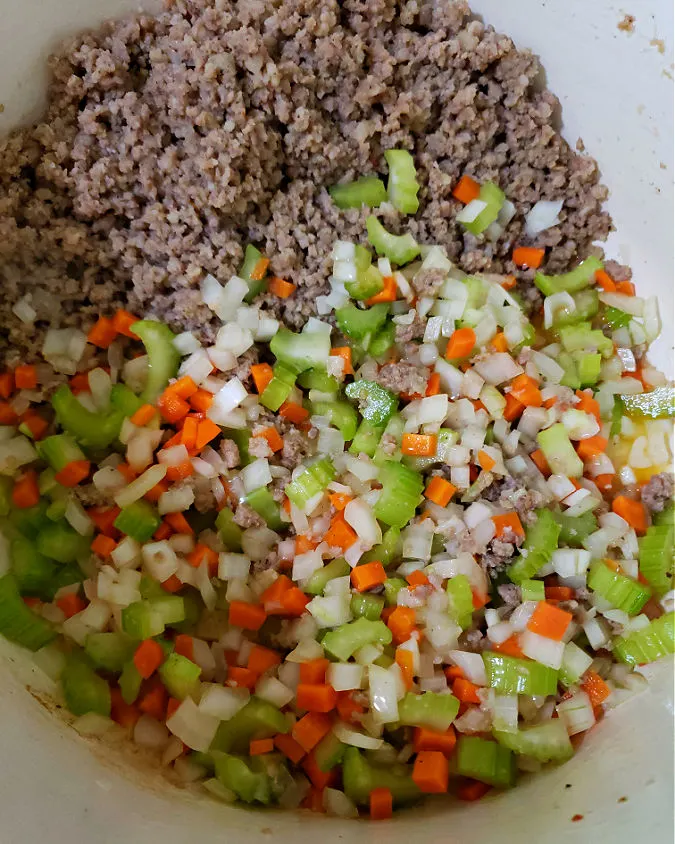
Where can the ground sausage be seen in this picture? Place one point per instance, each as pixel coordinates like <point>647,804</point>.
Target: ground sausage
<point>658,492</point>
<point>246,517</point>
<point>403,378</point>
<point>229,451</point>
<point>414,330</point>
<point>428,282</point>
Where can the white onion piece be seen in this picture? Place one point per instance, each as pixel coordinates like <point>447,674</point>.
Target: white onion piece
<point>194,728</point>
<point>543,215</point>
<point>354,738</point>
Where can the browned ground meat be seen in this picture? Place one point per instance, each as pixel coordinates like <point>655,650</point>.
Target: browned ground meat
<point>619,272</point>
<point>171,141</point>
<point>403,378</point>
<point>428,282</point>
<point>658,492</point>
<point>246,517</point>
<point>412,331</point>
<point>296,447</point>
<point>229,451</point>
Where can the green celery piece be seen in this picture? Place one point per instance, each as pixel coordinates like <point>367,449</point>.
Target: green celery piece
<point>620,591</point>
<point>575,664</point>
<point>368,283</point>
<point>342,642</point>
<point>171,608</point>
<point>150,588</point>
<point>139,520</point>
<point>61,543</point>
<point>656,557</point>
<point>329,752</point>
<point>318,580</point>
<point>570,376</point>
<point>234,773</point>
<point>262,501</point>
<point>18,623</point>
<point>279,388</point>
<point>571,282</point>
<point>367,438</point>
<point>559,451</point>
<point>31,520</point>
<point>486,761</point>
<point>387,551</point>
<point>431,710</point>
<point>588,368</point>
<point>376,404</point>
<point>402,186</point>
<point>615,318</point>
<point>123,401</point>
<point>477,291</point>
<point>541,540</point>
<point>34,573</point>
<point>92,430</point>
<point>299,352</point>
<point>368,190</point>
<point>140,620</point>
<point>310,482</point>
<point>59,450</point>
<point>130,682</point>
<point>382,341</point>
<point>255,286</point>
<point>163,357</point>
<point>341,414</point>
<point>666,518</point>
<point>511,675</point>
<point>649,643</point>
<point>587,304</point>
<point>400,249</point>
<point>532,590</point>
<point>367,606</point>
<point>109,651</point>
<point>575,529</point>
<point>258,719</point>
<point>359,323</point>
<point>180,675</point>
<point>229,531</point>
<point>360,778</point>
<point>460,600</point>
<point>83,690</point>
<point>318,379</point>
<point>392,586</point>
<point>6,487</point>
<point>546,742</point>
<point>658,403</point>
<point>494,198</point>
<point>401,494</point>
<point>582,338</point>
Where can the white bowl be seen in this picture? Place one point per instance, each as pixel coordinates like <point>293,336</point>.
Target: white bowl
<point>616,92</point>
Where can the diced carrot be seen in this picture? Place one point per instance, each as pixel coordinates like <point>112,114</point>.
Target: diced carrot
<point>262,375</point>
<point>163,532</point>
<point>148,657</point>
<point>261,659</point>
<point>25,377</point>
<point>8,416</point>
<point>340,534</point>
<point>430,772</point>
<point>417,578</point>
<point>440,491</point>
<point>479,599</point>
<point>259,746</point>
<point>634,512</point>
<point>589,448</point>
<point>368,576</point>
<point>273,437</point>
<point>587,403</point>
<point>314,801</point>
<point>509,282</point>
<point>289,747</point>
<point>344,352</point>
<point>465,691</point>
<point>486,462</point>
<point>315,697</point>
<point>604,482</point>
<point>605,281</point>
<point>172,407</point>
<point>625,287</point>
<point>247,616</point>
<point>405,662</point>
<point>310,729</point>
<point>460,344</point>
<point>508,521</point>
<point>595,687</point>
<point>549,621</point>
<point>303,544</point>
<point>433,385</point>
<point>103,333</point>
<point>401,622</point>
<point>540,462</point>
<point>339,500</point>
<point>419,445</point>
<point>179,523</point>
<point>79,383</point>
<point>314,670</point>
<point>271,597</point>
<point>188,433</point>
<point>259,269</point>
<point>348,709</point>
<point>425,739</point>
<point>172,584</point>
<point>528,256</point>
<point>513,408</point>
<point>279,287</point>
<point>201,400</point>
<point>172,705</point>
<point>6,384</point>
<point>380,801</point>
<point>123,322</point>
<point>70,604</point>
<point>121,712</point>
<point>472,790</point>
<point>558,593</point>
<point>103,545</point>
<point>387,294</point>
<point>466,190</point>
<point>241,678</point>
<point>104,519</point>
<point>146,413</point>
<point>73,473</point>
<point>526,391</point>
<point>26,492</point>
<point>294,602</point>
<point>295,413</point>
<point>206,432</point>
<point>126,471</point>
<point>154,701</point>
<point>202,553</point>
<point>184,646</point>
<point>499,342</point>
<point>156,491</point>
<point>180,472</point>
<point>452,672</point>
<point>511,647</point>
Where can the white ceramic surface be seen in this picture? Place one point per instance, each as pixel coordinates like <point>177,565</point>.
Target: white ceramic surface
<point>616,90</point>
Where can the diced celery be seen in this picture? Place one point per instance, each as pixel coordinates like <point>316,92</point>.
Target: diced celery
<point>658,403</point>
<point>180,675</point>
<point>532,590</point>
<point>617,589</point>
<point>583,338</point>
<point>588,368</point>
<point>18,623</point>
<point>460,600</point>
<point>83,690</point>
<point>431,710</point>
<point>559,452</point>
<point>310,482</point>
<point>656,557</point>
<point>486,761</point>
<point>541,540</point>
<point>342,642</point>
<point>318,379</point>
<point>366,438</point>
<point>381,342</point>
<point>341,414</point>
<point>252,256</point>
<point>317,581</point>
<point>360,778</point>
<point>376,404</point>
<point>279,388</point>
<point>574,529</point>
<point>59,450</point>
<point>387,551</point>
<point>368,190</point>
<point>493,197</point>
<point>400,249</point>
<point>615,318</point>
<point>163,357</point>
<point>234,773</point>
<point>649,643</point>
<point>402,186</point>
<point>392,586</point>
<point>329,752</point>
<point>400,496</point>
<point>139,520</point>
<point>61,543</point>
<point>258,719</point>
<point>575,664</point>
<point>367,606</point>
<point>262,501</point>
<point>546,742</point>
<point>109,651</point>
<point>34,573</point>
<point>586,307</point>
<point>299,352</point>
<point>140,620</point>
<point>511,675</point>
<point>130,682</point>
<point>368,283</point>
<point>359,324</point>
<point>571,282</point>
<point>229,531</point>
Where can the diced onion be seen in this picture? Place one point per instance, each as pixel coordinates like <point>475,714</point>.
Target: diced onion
<point>143,484</point>
<point>543,215</point>
<point>194,728</point>
<point>354,738</point>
